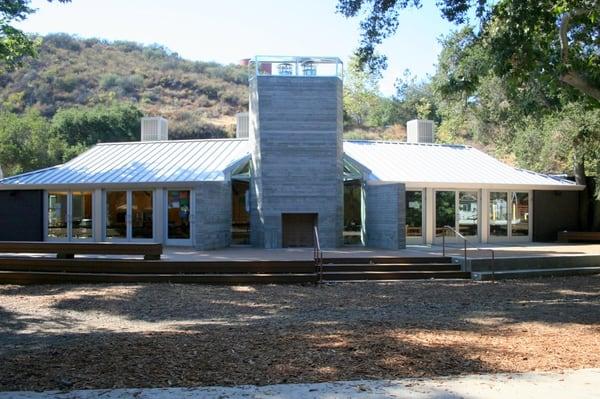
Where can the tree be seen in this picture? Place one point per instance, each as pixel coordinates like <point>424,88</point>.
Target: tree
<point>86,126</point>
<point>14,44</point>
<point>25,143</point>
<point>556,37</point>
<point>361,93</point>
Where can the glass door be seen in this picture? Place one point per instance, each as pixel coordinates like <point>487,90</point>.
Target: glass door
<point>69,216</point>
<point>178,217</point>
<point>81,216</point>
<point>116,215</point>
<point>459,210</point>
<point>141,211</point>
<point>509,216</point>
<point>58,212</point>
<point>445,212</point>
<point>129,215</point>
<point>414,217</point>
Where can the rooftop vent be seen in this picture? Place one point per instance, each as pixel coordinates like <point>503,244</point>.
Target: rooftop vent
<point>420,131</point>
<point>241,125</point>
<point>155,128</point>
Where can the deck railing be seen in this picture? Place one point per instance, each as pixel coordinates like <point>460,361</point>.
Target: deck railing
<point>465,241</point>
<point>318,254</point>
<point>313,67</point>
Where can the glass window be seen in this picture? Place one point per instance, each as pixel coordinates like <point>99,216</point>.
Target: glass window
<point>178,208</point>
<point>468,213</point>
<point>445,212</point>
<point>498,214</point>
<point>116,214</point>
<point>414,213</point>
<point>141,214</point>
<point>57,214</point>
<point>82,215</point>
<point>520,214</point>
<point>352,213</point>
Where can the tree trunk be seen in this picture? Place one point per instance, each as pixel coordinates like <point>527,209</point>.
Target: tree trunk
<point>580,178</point>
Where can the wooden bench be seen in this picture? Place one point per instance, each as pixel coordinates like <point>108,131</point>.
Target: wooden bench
<point>581,236</point>
<point>68,250</point>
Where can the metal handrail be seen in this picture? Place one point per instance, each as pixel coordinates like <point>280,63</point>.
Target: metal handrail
<point>318,254</point>
<point>465,249</point>
<point>459,235</point>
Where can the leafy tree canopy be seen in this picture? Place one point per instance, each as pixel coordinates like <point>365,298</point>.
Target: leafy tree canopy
<point>556,39</point>
<point>14,44</point>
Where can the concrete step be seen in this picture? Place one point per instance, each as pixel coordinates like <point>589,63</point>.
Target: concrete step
<point>139,266</point>
<point>389,260</point>
<point>533,273</point>
<point>394,275</point>
<point>358,267</point>
<point>29,277</point>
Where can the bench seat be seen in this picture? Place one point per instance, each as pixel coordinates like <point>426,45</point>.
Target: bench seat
<point>68,250</point>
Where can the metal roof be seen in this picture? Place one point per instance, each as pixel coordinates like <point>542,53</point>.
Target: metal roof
<point>146,162</point>
<point>187,161</point>
<point>438,165</point>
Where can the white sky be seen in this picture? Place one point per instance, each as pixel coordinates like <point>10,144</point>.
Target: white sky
<point>229,30</point>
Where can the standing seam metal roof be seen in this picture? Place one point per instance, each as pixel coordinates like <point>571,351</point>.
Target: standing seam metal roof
<point>143,162</point>
<point>189,161</point>
<point>441,164</point>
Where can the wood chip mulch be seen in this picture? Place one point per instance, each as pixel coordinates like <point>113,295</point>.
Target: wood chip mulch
<point>159,335</point>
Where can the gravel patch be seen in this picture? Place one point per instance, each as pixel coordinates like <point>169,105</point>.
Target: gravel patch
<point>161,335</point>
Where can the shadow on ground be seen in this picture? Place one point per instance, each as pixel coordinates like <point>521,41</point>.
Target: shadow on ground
<point>183,335</point>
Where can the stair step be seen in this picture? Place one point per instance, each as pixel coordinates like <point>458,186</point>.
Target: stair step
<point>396,275</point>
<point>358,267</point>
<point>389,260</point>
<point>24,277</point>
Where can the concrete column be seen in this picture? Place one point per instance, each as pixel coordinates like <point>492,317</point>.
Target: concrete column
<point>385,215</point>
<point>98,215</point>
<point>159,216</point>
<point>485,216</point>
<point>429,216</point>
<point>213,215</point>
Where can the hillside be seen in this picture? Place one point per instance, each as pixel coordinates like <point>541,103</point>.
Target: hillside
<point>200,99</point>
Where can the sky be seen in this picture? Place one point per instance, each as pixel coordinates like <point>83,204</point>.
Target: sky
<point>226,31</point>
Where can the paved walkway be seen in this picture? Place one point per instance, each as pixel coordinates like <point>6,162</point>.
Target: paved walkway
<point>248,253</point>
<point>572,384</point>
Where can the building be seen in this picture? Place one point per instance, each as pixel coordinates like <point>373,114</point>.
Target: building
<point>291,173</point>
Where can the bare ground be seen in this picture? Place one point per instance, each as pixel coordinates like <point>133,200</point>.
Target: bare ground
<point>155,335</point>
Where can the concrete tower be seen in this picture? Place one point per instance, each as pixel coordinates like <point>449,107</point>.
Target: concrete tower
<point>296,136</point>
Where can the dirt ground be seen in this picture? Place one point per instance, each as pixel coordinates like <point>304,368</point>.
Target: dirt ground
<point>157,335</point>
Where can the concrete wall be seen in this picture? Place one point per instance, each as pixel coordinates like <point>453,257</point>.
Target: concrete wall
<point>21,215</point>
<point>385,215</point>
<point>296,133</point>
<point>213,215</point>
<point>554,211</point>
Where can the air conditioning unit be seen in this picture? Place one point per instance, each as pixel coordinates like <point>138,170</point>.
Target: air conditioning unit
<point>420,131</point>
<point>242,127</point>
<point>154,128</point>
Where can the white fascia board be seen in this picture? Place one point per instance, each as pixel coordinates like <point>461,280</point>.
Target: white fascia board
<point>112,186</point>
<point>488,186</point>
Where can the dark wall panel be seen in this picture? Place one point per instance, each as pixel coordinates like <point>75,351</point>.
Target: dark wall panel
<point>21,215</point>
<point>554,211</point>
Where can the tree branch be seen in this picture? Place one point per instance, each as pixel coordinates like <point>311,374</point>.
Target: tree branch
<point>571,77</point>
<point>576,81</point>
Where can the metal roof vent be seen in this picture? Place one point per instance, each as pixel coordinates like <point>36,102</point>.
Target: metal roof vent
<point>154,128</point>
<point>285,69</point>
<point>242,127</point>
<point>309,68</point>
<point>420,131</point>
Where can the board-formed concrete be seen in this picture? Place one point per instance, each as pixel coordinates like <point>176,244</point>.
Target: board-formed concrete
<point>385,215</point>
<point>213,215</point>
<point>296,138</point>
